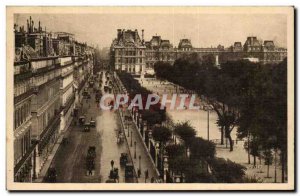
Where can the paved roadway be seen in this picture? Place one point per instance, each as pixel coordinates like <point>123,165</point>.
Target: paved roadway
<point>69,160</point>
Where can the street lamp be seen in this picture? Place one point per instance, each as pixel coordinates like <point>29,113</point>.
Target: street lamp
<point>140,162</point>
<point>135,149</point>
<point>128,131</point>
<point>131,140</point>
<point>208,123</point>
<point>208,109</point>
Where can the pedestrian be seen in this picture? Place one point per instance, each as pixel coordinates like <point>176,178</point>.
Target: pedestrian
<point>146,175</point>
<point>139,173</point>
<point>152,180</point>
<point>112,164</point>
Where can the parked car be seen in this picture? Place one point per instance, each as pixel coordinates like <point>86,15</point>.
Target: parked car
<point>81,120</point>
<point>51,175</point>
<point>123,159</point>
<point>87,127</point>
<point>129,170</point>
<point>93,123</point>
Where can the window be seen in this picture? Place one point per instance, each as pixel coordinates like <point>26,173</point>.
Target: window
<point>141,52</point>
<point>141,60</point>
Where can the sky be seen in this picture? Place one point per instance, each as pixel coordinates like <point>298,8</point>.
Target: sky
<point>204,30</point>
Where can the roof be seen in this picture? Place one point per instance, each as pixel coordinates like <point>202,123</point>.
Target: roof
<point>185,43</point>
<point>127,37</point>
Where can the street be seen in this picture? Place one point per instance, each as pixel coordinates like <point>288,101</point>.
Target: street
<point>69,160</point>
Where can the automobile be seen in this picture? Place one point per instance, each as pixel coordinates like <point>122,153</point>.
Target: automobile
<point>111,181</point>
<point>123,159</point>
<point>129,170</point>
<point>93,123</point>
<point>81,120</point>
<point>114,174</point>
<point>51,175</point>
<point>91,151</point>
<point>86,127</point>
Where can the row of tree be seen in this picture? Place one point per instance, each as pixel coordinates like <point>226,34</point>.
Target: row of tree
<point>246,95</point>
<point>194,157</point>
<point>186,156</point>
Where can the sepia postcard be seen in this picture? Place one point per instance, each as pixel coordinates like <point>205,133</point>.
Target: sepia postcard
<point>150,98</point>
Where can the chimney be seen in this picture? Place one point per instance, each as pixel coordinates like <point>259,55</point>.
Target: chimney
<point>135,35</point>
<point>39,29</point>
<point>119,33</point>
<point>30,25</point>
<point>27,26</point>
<point>143,35</point>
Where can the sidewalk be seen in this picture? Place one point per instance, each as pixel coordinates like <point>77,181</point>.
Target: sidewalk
<point>50,157</point>
<point>142,159</point>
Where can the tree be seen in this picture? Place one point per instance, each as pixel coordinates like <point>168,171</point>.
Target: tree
<point>226,171</point>
<point>151,117</point>
<point>161,135</point>
<point>268,156</point>
<point>186,132</point>
<point>202,150</point>
<point>179,164</point>
<point>175,150</point>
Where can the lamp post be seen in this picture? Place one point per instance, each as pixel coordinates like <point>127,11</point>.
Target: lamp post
<point>135,149</point>
<point>208,123</point>
<point>140,162</point>
<point>128,129</point>
<point>131,140</point>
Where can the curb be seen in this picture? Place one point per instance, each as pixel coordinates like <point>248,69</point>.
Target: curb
<point>137,129</point>
<point>123,128</point>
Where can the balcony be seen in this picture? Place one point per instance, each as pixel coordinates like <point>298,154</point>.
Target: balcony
<point>68,104</point>
<point>45,69</point>
<point>66,73</point>
<point>37,87</point>
<point>23,96</point>
<point>48,132</point>
<point>22,76</point>
<point>25,157</point>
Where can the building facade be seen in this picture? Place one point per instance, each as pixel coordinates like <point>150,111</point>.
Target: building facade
<point>48,71</point>
<point>125,52</point>
<point>158,49</point>
<point>128,52</point>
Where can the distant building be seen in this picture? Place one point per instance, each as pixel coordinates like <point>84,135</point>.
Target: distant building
<point>158,49</point>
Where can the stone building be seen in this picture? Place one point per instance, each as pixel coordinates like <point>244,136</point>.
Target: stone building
<point>23,146</point>
<point>158,49</point>
<point>128,52</point>
<point>48,71</point>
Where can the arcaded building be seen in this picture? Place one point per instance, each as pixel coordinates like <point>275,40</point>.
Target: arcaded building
<point>134,55</point>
